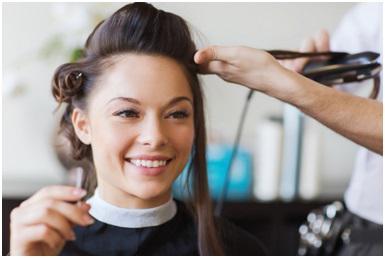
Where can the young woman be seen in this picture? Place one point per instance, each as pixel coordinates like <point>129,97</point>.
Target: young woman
<point>135,112</point>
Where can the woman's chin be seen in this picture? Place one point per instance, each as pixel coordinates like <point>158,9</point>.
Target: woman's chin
<point>148,189</point>
<point>150,193</point>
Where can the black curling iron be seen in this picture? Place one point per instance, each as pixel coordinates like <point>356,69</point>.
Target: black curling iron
<point>335,68</point>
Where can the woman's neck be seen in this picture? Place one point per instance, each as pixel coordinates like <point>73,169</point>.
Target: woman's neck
<point>120,198</point>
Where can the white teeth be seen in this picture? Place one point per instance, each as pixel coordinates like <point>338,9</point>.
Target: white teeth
<point>148,163</point>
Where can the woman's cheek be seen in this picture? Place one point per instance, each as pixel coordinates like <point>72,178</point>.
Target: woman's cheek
<point>116,133</point>
<point>184,140</point>
<point>183,136</point>
<point>111,142</point>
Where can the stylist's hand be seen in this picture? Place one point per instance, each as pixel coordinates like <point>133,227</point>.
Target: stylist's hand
<point>253,68</point>
<point>43,223</point>
<point>319,42</point>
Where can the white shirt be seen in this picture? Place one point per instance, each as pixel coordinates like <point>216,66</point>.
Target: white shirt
<point>361,30</point>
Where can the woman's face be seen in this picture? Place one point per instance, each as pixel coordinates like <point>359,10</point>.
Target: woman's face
<point>140,124</point>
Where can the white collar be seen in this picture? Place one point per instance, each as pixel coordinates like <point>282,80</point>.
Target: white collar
<point>130,218</point>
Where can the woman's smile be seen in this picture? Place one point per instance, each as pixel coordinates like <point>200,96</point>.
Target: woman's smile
<point>149,165</point>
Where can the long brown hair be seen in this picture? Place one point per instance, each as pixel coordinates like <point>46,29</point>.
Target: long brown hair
<point>141,28</point>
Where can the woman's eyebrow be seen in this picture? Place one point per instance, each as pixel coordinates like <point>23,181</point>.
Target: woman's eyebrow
<point>132,100</point>
<point>178,99</point>
<point>135,101</point>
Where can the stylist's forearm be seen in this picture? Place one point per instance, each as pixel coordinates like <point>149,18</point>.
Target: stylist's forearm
<point>358,119</point>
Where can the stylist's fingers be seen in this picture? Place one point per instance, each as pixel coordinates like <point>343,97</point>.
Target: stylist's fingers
<point>211,53</point>
<point>318,43</point>
<point>58,192</point>
<point>215,67</point>
<point>322,41</point>
<point>307,45</point>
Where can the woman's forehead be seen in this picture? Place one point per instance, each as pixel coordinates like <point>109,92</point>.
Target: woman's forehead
<point>145,77</point>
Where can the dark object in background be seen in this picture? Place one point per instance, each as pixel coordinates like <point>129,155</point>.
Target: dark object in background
<point>333,230</point>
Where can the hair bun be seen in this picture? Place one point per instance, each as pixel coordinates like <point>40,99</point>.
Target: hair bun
<point>67,83</point>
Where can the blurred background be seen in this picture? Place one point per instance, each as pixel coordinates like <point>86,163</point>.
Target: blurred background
<point>37,37</point>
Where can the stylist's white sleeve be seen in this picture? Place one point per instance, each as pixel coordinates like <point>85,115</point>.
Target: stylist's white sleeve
<point>361,30</point>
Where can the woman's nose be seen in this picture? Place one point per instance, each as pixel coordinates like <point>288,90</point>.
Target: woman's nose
<point>153,134</point>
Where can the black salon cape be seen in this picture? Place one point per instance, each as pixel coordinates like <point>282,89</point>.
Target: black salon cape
<point>175,237</point>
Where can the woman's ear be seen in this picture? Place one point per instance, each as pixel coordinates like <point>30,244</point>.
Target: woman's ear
<point>81,126</point>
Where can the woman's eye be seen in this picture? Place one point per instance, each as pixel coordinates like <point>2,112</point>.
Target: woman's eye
<point>127,113</point>
<point>179,115</point>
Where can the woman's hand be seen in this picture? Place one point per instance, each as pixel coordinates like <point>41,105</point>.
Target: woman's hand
<point>43,223</point>
<point>253,68</point>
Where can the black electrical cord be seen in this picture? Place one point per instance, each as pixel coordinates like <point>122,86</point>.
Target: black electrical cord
<point>223,195</point>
